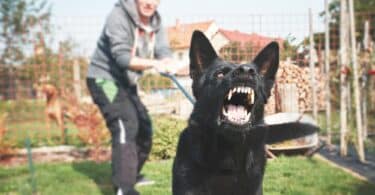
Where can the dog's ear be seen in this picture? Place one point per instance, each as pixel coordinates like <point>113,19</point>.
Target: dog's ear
<point>267,62</point>
<point>201,54</point>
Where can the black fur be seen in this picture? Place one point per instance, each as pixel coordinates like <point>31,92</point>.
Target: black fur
<point>214,156</point>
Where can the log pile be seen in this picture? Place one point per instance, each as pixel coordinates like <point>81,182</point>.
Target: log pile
<point>292,74</point>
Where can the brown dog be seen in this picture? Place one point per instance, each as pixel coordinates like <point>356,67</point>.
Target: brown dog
<point>54,109</point>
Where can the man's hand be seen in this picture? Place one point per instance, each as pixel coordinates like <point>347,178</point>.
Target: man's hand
<point>168,65</point>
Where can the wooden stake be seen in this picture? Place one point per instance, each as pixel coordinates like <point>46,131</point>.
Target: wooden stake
<point>343,77</point>
<point>357,94</point>
<point>77,79</point>
<point>312,67</point>
<point>366,47</point>
<point>327,70</point>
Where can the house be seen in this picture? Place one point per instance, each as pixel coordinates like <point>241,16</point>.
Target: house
<point>238,46</point>
<point>247,45</point>
<point>179,36</point>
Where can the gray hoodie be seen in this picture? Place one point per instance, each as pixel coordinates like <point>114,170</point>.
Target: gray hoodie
<point>115,45</point>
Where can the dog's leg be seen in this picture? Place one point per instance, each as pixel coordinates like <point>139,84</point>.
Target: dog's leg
<point>260,189</point>
<point>48,125</point>
<point>60,123</point>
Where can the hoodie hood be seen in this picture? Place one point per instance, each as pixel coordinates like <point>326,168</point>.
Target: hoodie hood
<point>130,8</point>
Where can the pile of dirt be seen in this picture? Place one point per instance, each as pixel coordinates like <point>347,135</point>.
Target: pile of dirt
<point>55,154</point>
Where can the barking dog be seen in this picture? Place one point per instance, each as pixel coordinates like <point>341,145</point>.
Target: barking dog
<point>222,151</point>
<point>54,109</point>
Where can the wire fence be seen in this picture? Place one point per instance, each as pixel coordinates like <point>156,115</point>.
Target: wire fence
<point>237,39</point>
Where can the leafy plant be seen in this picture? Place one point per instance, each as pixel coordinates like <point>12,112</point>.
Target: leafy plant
<point>150,82</point>
<point>20,21</point>
<point>166,134</point>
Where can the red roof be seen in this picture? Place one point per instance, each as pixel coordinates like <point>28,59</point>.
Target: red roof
<point>256,40</point>
<point>179,35</point>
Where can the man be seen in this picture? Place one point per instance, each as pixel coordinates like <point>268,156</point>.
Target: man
<point>133,40</point>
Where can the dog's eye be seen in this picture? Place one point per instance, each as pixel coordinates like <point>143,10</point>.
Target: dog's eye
<point>220,75</point>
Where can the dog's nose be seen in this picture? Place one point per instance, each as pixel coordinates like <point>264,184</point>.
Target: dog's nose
<point>246,69</point>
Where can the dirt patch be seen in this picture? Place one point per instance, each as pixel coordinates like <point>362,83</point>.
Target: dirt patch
<point>350,163</point>
<point>55,154</point>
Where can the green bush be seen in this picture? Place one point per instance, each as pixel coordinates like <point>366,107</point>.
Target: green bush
<point>21,110</point>
<point>150,82</point>
<point>166,134</point>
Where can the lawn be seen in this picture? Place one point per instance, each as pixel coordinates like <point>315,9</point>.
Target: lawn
<point>286,175</point>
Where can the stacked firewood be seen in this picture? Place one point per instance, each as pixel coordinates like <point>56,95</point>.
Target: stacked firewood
<point>289,74</point>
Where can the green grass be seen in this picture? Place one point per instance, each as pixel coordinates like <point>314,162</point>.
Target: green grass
<point>37,131</point>
<point>295,175</point>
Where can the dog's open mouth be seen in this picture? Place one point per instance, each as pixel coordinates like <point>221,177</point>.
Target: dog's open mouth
<point>238,104</point>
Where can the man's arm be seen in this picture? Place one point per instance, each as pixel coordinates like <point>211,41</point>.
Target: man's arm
<point>140,64</point>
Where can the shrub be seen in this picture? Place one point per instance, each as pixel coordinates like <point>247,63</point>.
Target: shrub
<point>150,82</point>
<point>2,127</point>
<point>4,147</point>
<point>166,133</point>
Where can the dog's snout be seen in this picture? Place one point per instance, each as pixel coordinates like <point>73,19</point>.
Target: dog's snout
<point>244,69</point>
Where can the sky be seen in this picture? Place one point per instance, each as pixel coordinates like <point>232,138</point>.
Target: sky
<point>82,20</point>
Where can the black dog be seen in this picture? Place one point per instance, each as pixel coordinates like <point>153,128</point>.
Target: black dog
<point>222,151</point>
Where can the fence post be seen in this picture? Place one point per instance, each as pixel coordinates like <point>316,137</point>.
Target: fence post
<point>77,79</point>
<point>343,77</point>
<point>366,47</point>
<point>312,67</point>
<point>357,94</point>
<point>327,71</point>
<point>289,97</point>
<point>31,165</point>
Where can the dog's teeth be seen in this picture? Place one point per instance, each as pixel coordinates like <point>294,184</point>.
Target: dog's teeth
<point>230,95</point>
<point>248,116</point>
<point>225,113</point>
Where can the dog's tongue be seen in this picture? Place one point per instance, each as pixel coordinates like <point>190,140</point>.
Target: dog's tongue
<point>236,113</point>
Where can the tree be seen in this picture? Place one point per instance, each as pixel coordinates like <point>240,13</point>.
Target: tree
<point>359,6</point>
<point>22,22</point>
<point>364,10</point>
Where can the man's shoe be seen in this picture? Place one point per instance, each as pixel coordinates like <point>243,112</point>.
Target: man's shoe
<point>142,181</point>
<point>131,192</point>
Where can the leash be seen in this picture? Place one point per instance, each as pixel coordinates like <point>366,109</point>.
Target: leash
<point>182,89</point>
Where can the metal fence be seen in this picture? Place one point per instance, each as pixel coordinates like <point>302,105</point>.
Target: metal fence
<point>65,70</point>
